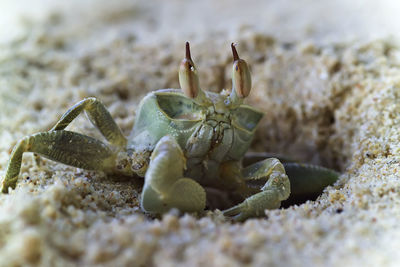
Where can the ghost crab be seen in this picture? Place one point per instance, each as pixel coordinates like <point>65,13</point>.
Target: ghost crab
<point>182,142</point>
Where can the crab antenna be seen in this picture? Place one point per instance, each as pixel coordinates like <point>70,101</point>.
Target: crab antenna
<point>241,80</point>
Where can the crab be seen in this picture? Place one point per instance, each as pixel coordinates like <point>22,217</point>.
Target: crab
<point>186,144</point>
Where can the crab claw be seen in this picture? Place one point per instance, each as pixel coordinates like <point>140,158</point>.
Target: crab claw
<point>241,80</point>
<point>188,78</point>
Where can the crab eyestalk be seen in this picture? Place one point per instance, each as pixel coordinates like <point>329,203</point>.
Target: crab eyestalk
<point>188,78</point>
<point>241,79</point>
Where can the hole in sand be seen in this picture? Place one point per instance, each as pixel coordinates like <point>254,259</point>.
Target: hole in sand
<point>296,92</point>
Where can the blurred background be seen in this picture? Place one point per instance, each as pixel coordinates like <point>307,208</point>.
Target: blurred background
<point>323,21</point>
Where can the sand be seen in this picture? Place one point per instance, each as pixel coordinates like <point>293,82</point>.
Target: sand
<point>327,101</point>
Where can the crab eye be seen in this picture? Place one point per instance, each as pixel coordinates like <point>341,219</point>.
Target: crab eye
<point>241,79</point>
<point>188,78</point>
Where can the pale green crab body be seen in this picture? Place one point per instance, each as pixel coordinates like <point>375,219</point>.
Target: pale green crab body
<point>212,135</point>
<point>184,142</point>
<point>208,136</point>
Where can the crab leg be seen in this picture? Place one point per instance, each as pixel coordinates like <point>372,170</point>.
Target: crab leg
<point>63,146</point>
<point>306,180</point>
<point>253,157</point>
<point>98,115</point>
<point>165,187</point>
<point>275,190</point>
<point>309,180</point>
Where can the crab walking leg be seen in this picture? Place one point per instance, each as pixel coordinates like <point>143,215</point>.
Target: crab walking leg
<point>165,187</point>
<point>275,190</point>
<point>98,115</point>
<point>305,179</point>
<point>253,157</point>
<point>63,146</point>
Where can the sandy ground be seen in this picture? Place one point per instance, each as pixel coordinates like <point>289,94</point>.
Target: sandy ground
<point>328,86</point>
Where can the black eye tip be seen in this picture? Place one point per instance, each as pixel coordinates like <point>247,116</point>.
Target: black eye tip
<point>188,56</point>
<point>234,52</point>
